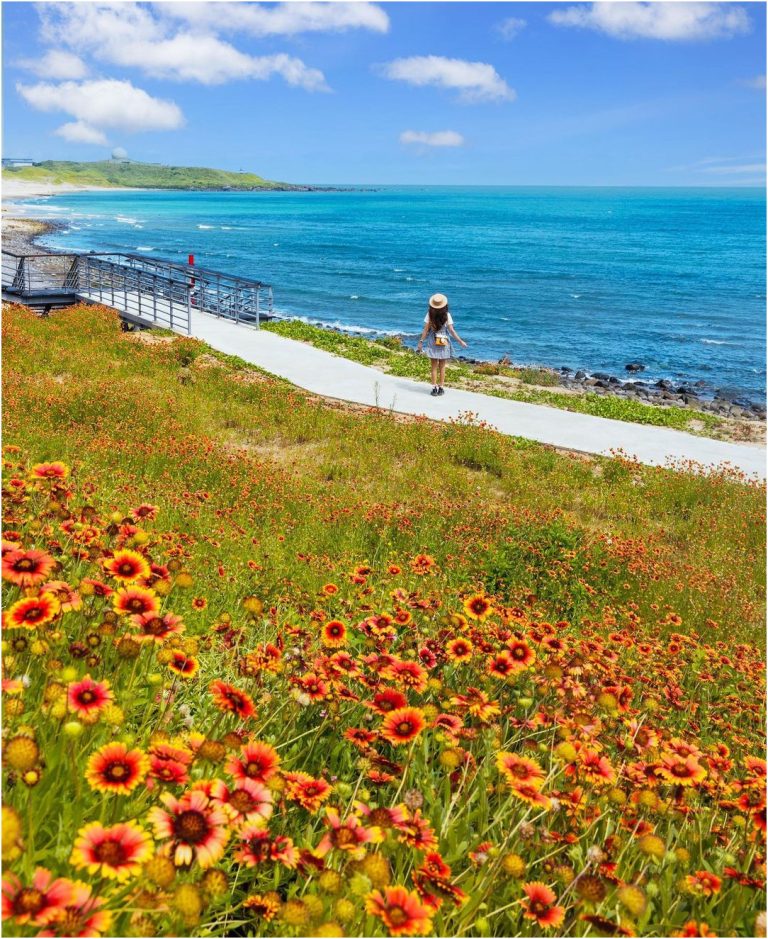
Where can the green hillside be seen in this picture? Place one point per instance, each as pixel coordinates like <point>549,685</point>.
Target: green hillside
<point>141,176</point>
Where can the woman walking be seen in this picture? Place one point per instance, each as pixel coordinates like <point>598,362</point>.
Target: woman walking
<point>438,329</point>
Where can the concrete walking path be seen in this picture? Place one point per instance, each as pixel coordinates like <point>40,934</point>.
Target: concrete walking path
<point>325,374</point>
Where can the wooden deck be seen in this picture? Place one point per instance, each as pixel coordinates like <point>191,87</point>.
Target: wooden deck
<point>146,291</point>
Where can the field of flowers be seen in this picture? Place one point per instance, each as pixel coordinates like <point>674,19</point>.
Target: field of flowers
<point>277,667</point>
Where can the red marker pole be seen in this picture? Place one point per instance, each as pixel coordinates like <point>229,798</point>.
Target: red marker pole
<point>191,263</point>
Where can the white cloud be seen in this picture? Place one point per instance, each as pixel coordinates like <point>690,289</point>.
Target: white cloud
<point>282,19</point>
<point>105,103</point>
<point>131,36</point>
<point>656,20</point>
<point>734,169</point>
<point>476,81</point>
<point>757,82</point>
<point>510,27</point>
<point>56,64</point>
<point>437,138</point>
<point>80,132</point>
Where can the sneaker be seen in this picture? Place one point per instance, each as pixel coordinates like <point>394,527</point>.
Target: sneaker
<point>434,391</point>
<point>441,391</point>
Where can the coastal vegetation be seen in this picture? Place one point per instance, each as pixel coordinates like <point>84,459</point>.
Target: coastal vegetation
<point>134,175</point>
<point>532,385</point>
<point>280,666</point>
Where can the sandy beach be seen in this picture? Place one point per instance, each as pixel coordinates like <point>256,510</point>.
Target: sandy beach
<point>25,189</point>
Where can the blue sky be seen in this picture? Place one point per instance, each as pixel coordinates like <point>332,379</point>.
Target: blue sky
<point>626,93</point>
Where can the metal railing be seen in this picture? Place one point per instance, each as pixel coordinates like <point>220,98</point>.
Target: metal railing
<point>149,290</point>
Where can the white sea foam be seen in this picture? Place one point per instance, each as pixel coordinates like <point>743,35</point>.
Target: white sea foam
<point>206,226</point>
<point>716,342</point>
<point>144,248</point>
<point>125,219</point>
<point>354,296</point>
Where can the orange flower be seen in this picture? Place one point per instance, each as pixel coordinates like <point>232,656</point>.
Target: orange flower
<point>26,568</point>
<point>704,883</point>
<point>459,650</point>
<point>32,612</point>
<point>115,768</point>
<point>531,794</point>
<point>116,852</point>
<point>127,566</point>
<point>334,634</point>
<point>403,725</point>
<point>520,770</point>
<point>401,911</point>
<point>522,653</point>
<point>137,601</point>
<point>228,698</point>
<point>257,761</point>
<point>540,905</point>
<point>681,770</point>
<point>309,792</point>
<point>55,470</point>
<point>478,607</point>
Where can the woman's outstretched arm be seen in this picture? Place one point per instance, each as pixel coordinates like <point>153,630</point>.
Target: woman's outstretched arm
<point>456,336</point>
<point>423,335</point>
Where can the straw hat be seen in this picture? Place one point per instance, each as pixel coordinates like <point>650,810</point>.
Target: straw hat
<point>438,301</point>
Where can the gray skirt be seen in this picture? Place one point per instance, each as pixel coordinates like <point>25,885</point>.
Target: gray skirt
<point>433,351</point>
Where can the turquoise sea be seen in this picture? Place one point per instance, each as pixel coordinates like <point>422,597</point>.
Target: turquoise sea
<point>586,278</point>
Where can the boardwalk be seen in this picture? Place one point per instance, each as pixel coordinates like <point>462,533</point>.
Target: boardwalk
<point>224,311</point>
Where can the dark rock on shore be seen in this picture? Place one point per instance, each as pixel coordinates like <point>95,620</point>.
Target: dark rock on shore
<point>635,367</point>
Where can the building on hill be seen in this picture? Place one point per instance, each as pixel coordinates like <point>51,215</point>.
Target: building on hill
<point>17,162</point>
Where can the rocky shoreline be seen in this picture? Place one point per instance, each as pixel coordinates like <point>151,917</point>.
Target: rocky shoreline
<point>663,393</point>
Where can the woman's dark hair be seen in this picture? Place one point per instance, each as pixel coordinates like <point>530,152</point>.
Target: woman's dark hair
<point>438,318</point>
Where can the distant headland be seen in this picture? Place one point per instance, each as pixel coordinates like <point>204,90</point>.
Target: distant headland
<point>129,174</point>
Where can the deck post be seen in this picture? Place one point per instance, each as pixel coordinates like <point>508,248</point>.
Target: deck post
<point>258,292</point>
<point>154,297</point>
<point>189,310</point>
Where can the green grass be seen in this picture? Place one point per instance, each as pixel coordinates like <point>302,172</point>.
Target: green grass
<point>393,357</point>
<point>82,391</point>
<point>138,175</point>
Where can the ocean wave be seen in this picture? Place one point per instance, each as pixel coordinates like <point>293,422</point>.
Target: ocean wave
<point>125,220</point>
<point>205,226</point>
<point>717,342</point>
<point>144,248</point>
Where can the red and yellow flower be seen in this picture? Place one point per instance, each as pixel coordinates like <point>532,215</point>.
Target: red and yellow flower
<point>116,852</point>
<point>403,725</point>
<point>135,601</point>
<point>478,607</point>
<point>400,910</point>
<point>195,827</point>
<point>36,903</point>
<point>520,770</point>
<point>540,905</point>
<point>31,612</point>
<point>127,566</point>
<point>349,835</point>
<point>228,698</point>
<point>115,768</point>
<point>26,568</point>
<point>257,761</point>
<point>87,697</point>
